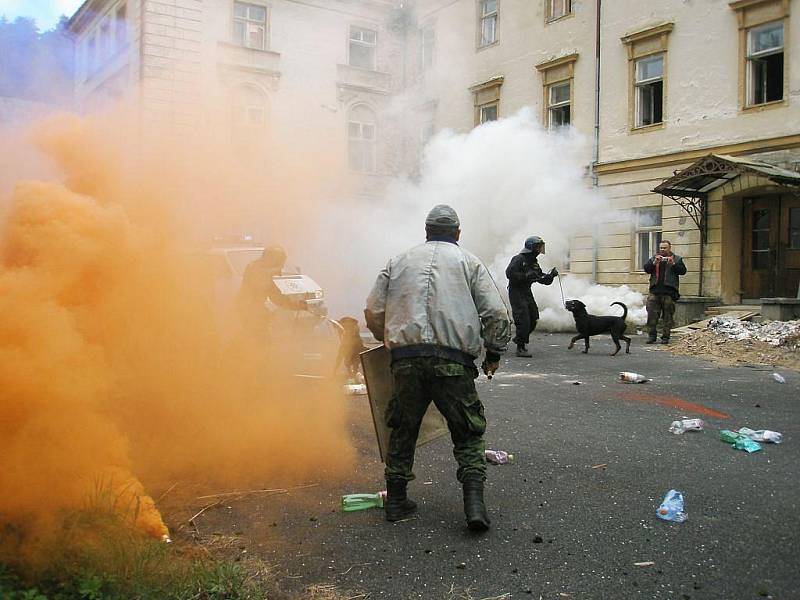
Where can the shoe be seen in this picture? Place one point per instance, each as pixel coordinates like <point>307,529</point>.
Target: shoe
<point>652,340</point>
<point>398,506</point>
<point>665,340</point>
<point>523,352</point>
<point>474,506</point>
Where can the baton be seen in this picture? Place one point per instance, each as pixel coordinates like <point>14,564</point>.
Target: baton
<point>562,289</point>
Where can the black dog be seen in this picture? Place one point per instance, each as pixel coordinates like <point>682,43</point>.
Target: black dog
<point>589,325</point>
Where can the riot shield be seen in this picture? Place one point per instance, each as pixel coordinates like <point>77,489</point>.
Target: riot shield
<point>376,364</point>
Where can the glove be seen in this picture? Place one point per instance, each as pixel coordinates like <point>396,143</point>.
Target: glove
<point>554,272</point>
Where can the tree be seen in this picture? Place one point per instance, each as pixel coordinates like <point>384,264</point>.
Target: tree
<point>36,65</point>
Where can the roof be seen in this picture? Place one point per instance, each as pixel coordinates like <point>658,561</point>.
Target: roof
<point>714,170</point>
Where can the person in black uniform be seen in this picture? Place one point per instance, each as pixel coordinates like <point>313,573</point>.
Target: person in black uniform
<point>522,272</point>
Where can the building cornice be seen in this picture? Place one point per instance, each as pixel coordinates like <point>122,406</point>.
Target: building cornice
<point>84,15</point>
<point>650,32</point>
<point>495,81</point>
<point>674,158</point>
<point>557,62</point>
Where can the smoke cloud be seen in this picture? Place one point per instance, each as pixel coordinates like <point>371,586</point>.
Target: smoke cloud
<point>113,366</point>
<point>508,180</point>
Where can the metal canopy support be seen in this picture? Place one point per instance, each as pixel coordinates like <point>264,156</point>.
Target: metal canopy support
<point>697,209</point>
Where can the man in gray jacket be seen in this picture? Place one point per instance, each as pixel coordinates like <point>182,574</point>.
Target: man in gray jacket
<point>435,307</point>
<point>664,269</point>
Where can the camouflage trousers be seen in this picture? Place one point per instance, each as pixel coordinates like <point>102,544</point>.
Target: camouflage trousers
<point>660,305</point>
<point>451,387</point>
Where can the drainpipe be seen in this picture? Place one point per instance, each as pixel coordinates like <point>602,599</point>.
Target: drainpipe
<point>596,144</point>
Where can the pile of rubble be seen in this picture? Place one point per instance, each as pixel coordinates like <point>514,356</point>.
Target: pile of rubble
<point>732,341</point>
<point>774,333</point>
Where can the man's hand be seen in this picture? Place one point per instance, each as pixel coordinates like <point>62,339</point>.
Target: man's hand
<point>554,272</point>
<point>489,368</point>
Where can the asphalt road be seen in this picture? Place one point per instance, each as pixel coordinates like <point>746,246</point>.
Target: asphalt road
<point>575,512</point>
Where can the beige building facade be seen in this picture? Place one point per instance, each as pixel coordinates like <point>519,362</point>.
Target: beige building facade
<point>669,83</point>
<point>705,94</point>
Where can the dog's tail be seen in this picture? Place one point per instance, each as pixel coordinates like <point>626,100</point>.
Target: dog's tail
<point>624,309</point>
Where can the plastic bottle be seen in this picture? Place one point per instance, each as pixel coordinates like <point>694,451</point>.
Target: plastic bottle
<point>762,435</point>
<point>353,502</point>
<point>739,441</point>
<point>778,377</point>
<point>498,457</point>
<point>685,425</point>
<point>629,377</point>
<point>671,508</point>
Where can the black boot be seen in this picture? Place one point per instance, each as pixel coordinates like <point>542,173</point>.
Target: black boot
<point>474,507</point>
<point>522,351</point>
<point>665,340</point>
<point>652,339</point>
<point>398,506</point>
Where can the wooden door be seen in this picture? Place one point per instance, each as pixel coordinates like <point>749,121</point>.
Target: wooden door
<point>760,248</point>
<point>788,265</point>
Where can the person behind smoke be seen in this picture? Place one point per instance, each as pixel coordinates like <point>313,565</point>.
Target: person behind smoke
<point>664,269</point>
<point>522,272</point>
<point>258,287</point>
<point>434,306</point>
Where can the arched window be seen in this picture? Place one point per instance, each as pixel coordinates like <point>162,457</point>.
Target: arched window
<point>249,107</point>
<point>361,139</point>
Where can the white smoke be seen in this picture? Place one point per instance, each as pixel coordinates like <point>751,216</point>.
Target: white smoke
<point>508,180</point>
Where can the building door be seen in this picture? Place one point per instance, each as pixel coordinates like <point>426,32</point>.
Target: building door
<point>771,260</point>
<point>789,248</point>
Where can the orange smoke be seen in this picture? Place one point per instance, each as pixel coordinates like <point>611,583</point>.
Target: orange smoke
<point>112,364</point>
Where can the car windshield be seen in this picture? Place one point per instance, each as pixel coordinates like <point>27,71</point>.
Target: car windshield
<point>241,258</point>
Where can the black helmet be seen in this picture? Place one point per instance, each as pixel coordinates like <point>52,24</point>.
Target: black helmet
<point>531,243</point>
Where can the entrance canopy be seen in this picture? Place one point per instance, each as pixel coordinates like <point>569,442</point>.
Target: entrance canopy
<point>690,187</point>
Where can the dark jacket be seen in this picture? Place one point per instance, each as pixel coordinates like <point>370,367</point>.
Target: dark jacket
<point>523,271</point>
<point>666,283</point>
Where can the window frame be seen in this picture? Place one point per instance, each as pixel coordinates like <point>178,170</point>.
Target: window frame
<point>372,45</point>
<point>553,106</point>
<point>495,16</point>
<point>370,143</point>
<point>638,92</point>
<point>751,14</point>
<point>121,32</point>
<point>244,41</point>
<point>486,94</point>
<point>654,233</point>
<point>751,57</point>
<point>426,59</point>
<point>642,45</point>
<point>554,73</point>
<point>549,13</point>
<point>483,107</point>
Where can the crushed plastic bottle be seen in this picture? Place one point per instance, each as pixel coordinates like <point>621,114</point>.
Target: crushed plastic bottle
<point>629,377</point>
<point>778,377</point>
<point>353,502</point>
<point>739,441</point>
<point>762,435</point>
<point>671,508</point>
<point>498,457</point>
<point>685,425</point>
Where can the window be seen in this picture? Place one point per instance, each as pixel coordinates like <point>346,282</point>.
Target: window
<point>488,22</point>
<point>649,92</point>
<point>121,27</point>
<point>91,55</point>
<point>250,25</point>
<point>106,45</point>
<point>794,228</point>
<point>555,9</point>
<point>249,107</point>
<point>427,41</point>
<point>647,59</point>
<point>648,234</point>
<point>557,78</point>
<point>487,112</point>
<point>558,105</point>
<point>761,229</point>
<point>486,99</point>
<point>765,64</point>
<point>362,48</point>
<point>361,139</point>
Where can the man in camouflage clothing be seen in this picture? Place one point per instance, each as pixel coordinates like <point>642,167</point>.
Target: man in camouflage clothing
<point>435,307</point>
